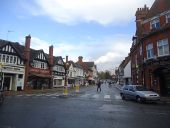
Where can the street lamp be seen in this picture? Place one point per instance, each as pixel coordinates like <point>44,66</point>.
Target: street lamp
<point>1,77</point>
<point>66,75</point>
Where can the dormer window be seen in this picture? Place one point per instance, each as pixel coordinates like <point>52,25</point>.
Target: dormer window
<point>168,18</point>
<point>155,24</point>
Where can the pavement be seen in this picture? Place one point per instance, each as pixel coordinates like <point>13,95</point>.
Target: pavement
<point>162,99</point>
<point>59,90</point>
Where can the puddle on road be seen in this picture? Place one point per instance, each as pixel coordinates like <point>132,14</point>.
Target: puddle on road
<point>113,108</point>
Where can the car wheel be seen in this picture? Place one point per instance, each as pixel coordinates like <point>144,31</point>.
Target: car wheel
<point>138,99</point>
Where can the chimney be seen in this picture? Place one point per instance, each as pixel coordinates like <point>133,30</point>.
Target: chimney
<point>80,59</point>
<point>141,14</point>
<point>27,47</point>
<point>51,55</point>
<point>27,58</point>
<point>66,59</point>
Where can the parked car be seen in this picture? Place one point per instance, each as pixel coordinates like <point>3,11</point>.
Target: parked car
<point>138,93</point>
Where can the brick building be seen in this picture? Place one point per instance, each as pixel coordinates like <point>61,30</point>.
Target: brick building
<point>151,47</point>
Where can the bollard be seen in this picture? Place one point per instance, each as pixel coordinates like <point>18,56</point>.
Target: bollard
<point>77,88</point>
<point>65,91</point>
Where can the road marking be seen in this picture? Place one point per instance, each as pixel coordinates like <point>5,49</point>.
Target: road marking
<point>95,96</point>
<point>117,97</point>
<point>107,96</point>
<point>86,95</point>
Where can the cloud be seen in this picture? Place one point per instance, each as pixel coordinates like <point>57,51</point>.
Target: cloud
<point>104,12</point>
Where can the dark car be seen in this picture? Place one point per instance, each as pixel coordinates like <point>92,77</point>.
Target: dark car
<point>138,93</point>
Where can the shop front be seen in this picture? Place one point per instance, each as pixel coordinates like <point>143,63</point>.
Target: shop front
<point>58,81</point>
<point>39,78</point>
<point>13,77</point>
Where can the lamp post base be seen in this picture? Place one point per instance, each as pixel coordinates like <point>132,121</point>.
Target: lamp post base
<point>65,91</point>
<point>77,88</point>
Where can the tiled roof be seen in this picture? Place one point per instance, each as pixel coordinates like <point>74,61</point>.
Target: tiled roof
<point>89,64</point>
<point>158,7</point>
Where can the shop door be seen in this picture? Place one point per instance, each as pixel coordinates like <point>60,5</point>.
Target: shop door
<point>167,84</point>
<point>7,81</point>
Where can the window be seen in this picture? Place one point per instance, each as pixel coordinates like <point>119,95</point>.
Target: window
<point>3,58</point>
<point>163,47</point>
<point>140,50</point>
<point>42,65</point>
<point>11,59</point>
<point>155,24</point>
<point>168,18</point>
<point>7,59</point>
<point>149,49</point>
<point>15,59</point>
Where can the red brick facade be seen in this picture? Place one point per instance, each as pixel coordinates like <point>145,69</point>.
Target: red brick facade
<point>150,61</point>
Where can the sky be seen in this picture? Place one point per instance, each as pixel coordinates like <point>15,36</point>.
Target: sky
<point>99,30</point>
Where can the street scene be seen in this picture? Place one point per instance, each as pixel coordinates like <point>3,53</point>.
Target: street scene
<point>85,64</point>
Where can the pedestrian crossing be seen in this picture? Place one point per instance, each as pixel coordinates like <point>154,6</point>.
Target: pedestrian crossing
<point>105,97</point>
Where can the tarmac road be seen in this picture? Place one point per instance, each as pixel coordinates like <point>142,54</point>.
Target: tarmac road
<point>90,109</point>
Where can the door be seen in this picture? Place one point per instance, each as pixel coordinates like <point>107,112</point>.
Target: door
<point>7,82</point>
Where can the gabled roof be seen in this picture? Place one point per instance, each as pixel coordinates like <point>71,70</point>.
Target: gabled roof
<point>35,53</point>
<point>18,47</point>
<point>158,7</point>
<point>56,60</point>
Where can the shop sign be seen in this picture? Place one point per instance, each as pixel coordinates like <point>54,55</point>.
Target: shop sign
<point>11,68</point>
<point>39,71</point>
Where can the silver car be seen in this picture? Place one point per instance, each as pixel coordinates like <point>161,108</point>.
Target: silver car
<point>138,93</point>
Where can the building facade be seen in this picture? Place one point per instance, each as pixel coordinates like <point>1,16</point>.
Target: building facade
<point>38,67</point>
<point>12,65</point>
<point>151,47</point>
<point>58,72</point>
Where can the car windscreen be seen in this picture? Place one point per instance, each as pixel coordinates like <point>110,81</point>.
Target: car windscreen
<point>141,88</point>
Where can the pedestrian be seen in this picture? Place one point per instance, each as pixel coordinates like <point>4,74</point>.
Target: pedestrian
<point>98,86</point>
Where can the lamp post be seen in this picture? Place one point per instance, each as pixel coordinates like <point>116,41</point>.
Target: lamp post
<point>66,77</point>
<point>1,77</point>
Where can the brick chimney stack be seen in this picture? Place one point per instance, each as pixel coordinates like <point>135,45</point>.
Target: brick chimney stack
<point>51,55</point>
<point>141,14</point>
<point>66,59</point>
<point>27,59</point>
<point>80,59</point>
<point>27,47</point>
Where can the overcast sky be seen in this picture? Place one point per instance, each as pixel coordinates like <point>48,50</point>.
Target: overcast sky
<point>99,30</point>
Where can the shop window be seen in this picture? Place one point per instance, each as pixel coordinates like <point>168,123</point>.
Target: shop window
<point>155,24</point>
<point>20,76</point>
<point>149,49</point>
<point>168,18</point>
<point>163,47</point>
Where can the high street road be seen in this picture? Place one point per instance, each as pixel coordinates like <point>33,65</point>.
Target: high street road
<point>90,109</point>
